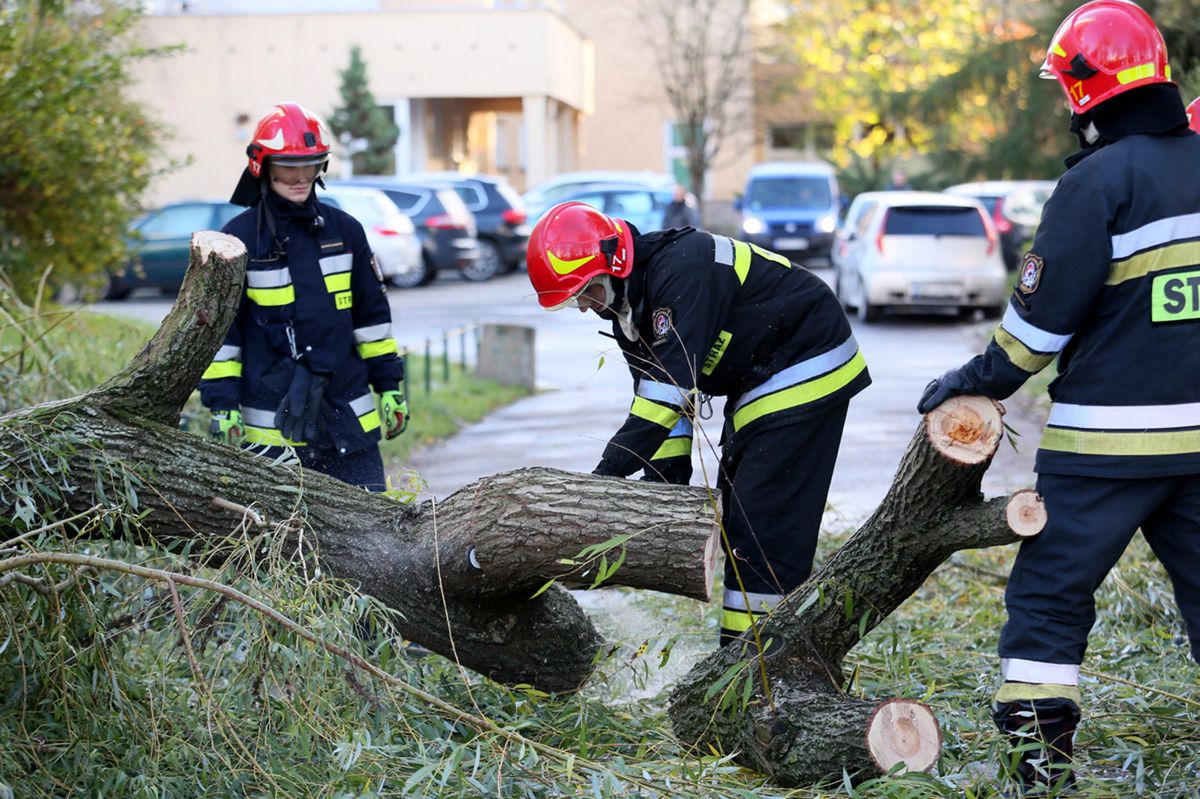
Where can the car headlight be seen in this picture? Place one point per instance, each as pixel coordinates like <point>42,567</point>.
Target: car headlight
<point>753,225</point>
<point>827,223</point>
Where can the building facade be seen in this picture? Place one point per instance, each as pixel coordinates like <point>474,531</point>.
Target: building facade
<point>525,88</point>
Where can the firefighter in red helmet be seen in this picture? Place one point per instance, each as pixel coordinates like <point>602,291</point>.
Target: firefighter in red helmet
<point>1109,292</point>
<point>700,315</point>
<point>1193,115</point>
<point>313,335</point>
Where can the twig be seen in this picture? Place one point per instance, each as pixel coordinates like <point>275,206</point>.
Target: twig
<point>251,514</point>
<point>48,527</point>
<point>198,675</point>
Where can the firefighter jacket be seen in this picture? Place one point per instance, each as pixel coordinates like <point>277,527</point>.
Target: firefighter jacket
<point>312,295</point>
<point>1111,289</point>
<point>711,316</point>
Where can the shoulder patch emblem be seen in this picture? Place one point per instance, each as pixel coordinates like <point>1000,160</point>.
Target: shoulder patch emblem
<point>661,322</point>
<point>1031,273</point>
<point>375,268</point>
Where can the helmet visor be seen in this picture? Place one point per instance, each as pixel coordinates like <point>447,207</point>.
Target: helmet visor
<point>573,300</point>
<point>300,160</point>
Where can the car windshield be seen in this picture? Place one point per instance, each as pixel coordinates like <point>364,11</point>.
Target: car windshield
<point>811,193</point>
<point>934,220</point>
<point>510,196</point>
<point>360,206</point>
<point>178,220</point>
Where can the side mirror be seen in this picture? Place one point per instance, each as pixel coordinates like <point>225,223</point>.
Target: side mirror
<point>737,203</point>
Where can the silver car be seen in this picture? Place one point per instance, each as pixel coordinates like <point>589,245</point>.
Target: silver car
<point>390,232</point>
<point>918,250</point>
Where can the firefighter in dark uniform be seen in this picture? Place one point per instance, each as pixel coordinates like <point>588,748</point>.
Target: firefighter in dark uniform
<point>700,315</point>
<point>1110,289</point>
<point>313,334</point>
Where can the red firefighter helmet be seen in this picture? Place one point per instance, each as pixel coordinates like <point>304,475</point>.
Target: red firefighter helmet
<point>571,244</point>
<point>1105,48</point>
<point>1193,112</point>
<point>289,134</point>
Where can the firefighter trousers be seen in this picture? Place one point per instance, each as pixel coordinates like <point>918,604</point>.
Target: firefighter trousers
<point>1091,520</point>
<point>774,483</point>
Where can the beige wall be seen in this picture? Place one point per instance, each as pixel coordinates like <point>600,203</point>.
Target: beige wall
<point>532,91</point>
<point>628,129</point>
<point>236,66</point>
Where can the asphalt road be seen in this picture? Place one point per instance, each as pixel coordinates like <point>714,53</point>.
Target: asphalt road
<point>585,392</point>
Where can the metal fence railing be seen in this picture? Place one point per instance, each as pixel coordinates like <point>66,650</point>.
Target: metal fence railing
<point>463,341</point>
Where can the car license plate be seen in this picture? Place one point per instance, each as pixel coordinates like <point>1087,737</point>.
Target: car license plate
<point>791,244</point>
<point>935,291</point>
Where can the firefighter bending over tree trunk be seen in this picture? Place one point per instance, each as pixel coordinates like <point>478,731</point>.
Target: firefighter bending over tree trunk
<point>1109,288</point>
<point>700,315</point>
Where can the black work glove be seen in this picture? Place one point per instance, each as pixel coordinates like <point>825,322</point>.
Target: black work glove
<point>604,470</point>
<point>296,416</point>
<point>952,384</point>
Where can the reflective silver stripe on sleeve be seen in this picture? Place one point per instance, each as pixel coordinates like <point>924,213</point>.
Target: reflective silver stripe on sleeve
<point>662,392</point>
<point>228,352</point>
<point>363,404</point>
<point>257,417</point>
<point>682,428</point>
<point>331,264</point>
<point>1032,337</point>
<point>737,600</point>
<point>723,250</point>
<point>1017,670</point>
<point>373,333</point>
<point>1155,234</point>
<point>268,278</point>
<point>805,370</point>
<point>1125,417</point>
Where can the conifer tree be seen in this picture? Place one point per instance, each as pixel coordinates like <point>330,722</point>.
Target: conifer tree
<point>362,118</point>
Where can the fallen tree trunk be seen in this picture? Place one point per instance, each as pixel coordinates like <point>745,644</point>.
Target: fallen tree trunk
<point>462,572</point>
<point>798,725</point>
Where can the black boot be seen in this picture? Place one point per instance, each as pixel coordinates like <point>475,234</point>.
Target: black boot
<point>1041,733</point>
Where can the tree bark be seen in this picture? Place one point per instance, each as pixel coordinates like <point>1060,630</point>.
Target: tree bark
<point>798,725</point>
<point>462,573</point>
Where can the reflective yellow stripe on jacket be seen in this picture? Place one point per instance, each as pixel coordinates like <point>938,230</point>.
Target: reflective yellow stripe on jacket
<point>270,287</point>
<point>1123,429</point>
<point>802,383</point>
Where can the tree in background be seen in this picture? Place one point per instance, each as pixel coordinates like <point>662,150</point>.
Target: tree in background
<point>360,118</point>
<point>858,59</point>
<point>701,49</point>
<point>950,84</point>
<point>76,152</point>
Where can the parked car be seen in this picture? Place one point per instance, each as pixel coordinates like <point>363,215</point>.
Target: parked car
<point>791,207</point>
<point>539,198</point>
<point>639,205</point>
<point>501,221</point>
<point>391,234</point>
<point>921,251</point>
<point>160,243</point>
<point>1015,207</point>
<point>445,226</point>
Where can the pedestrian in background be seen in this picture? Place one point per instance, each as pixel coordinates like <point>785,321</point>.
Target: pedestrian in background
<point>677,213</point>
<point>313,333</point>
<point>1109,290</point>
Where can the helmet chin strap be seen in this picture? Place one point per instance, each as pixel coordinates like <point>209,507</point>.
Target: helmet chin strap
<point>620,307</point>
